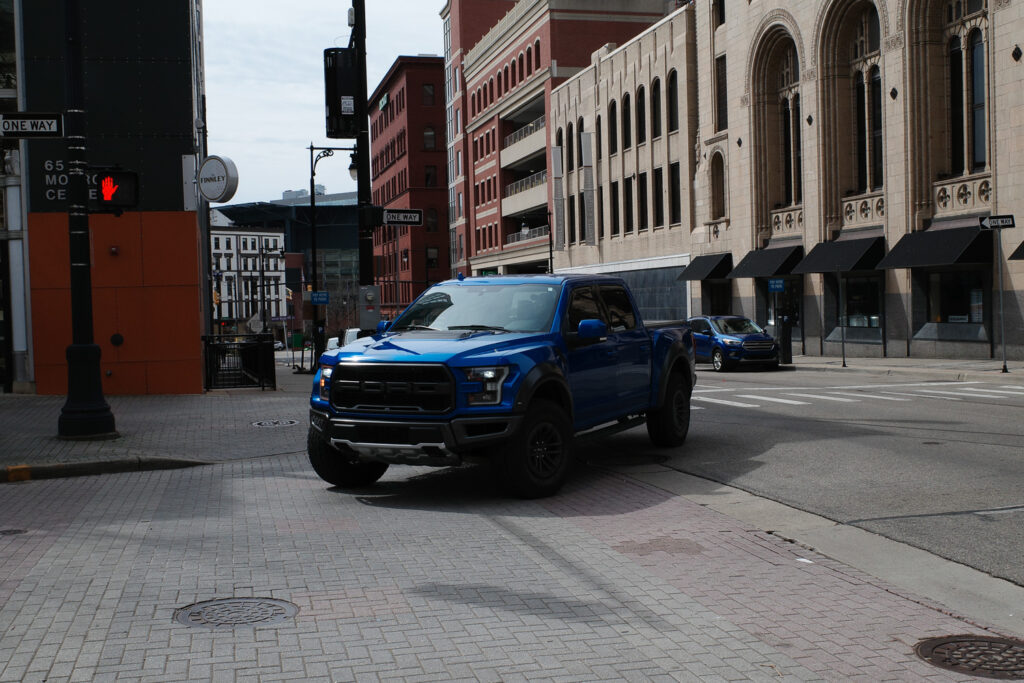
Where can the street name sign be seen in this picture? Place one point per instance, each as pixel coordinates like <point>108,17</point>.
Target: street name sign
<point>997,222</point>
<point>23,124</point>
<point>403,217</point>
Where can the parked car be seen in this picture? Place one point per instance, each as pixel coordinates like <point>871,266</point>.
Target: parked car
<point>279,345</point>
<point>505,369</point>
<point>725,341</point>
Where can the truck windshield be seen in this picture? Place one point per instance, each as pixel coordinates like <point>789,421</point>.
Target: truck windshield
<point>496,308</point>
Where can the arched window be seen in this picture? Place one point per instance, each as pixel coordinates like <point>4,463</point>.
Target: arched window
<point>490,90</point>
<point>656,109</point>
<point>613,135</point>
<point>968,134</point>
<point>558,144</point>
<point>788,94</point>
<point>514,81</point>
<point>536,54</point>
<point>522,74</point>
<point>529,60</point>
<point>976,76</point>
<point>867,89</point>
<point>717,187</point>
<point>570,157</point>
<point>579,142</point>
<point>641,116</point>
<point>500,90</point>
<point>508,83</point>
<point>429,139</point>
<point>627,126</point>
<point>673,102</point>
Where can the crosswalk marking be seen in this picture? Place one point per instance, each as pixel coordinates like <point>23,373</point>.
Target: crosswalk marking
<point>773,400</point>
<point>735,404</point>
<point>1000,391</point>
<point>883,398</point>
<point>970,393</point>
<point>825,398</point>
<point>940,398</point>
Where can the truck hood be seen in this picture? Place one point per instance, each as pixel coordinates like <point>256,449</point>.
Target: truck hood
<point>455,347</point>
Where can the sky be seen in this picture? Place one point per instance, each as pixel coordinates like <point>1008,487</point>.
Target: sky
<point>265,82</point>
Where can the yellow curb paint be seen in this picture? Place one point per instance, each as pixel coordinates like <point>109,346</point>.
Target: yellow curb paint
<point>19,473</point>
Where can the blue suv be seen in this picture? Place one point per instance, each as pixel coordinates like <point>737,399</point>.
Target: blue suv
<point>725,341</point>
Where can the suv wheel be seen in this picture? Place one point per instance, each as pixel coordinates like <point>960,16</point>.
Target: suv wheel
<point>535,461</point>
<point>718,361</point>
<point>337,468</point>
<point>668,425</point>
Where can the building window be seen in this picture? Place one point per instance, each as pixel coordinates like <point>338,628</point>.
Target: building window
<point>656,109</point>
<point>613,139</point>
<point>599,225</point>
<point>718,11</point>
<point>429,139</point>
<point>216,243</point>
<point>673,102</point>
<point>641,116</point>
<point>597,136</point>
<point>570,157</point>
<point>428,94</point>
<point>641,201</point>
<point>615,209</point>
<point>867,79</point>
<point>675,204</point>
<point>571,215</point>
<point>659,197</point>
<point>627,125</point>
<point>536,54</point>
<point>956,297</point>
<point>627,203</point>
<point>721,95</point>
<point>717,187</point>
<point>582,205</point>
<point>966,86</point>
<point>579,142</point>
<point>430,220</point>
<point>976,56</point>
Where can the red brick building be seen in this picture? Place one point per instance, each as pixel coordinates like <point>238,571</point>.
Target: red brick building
<point>407,133</point>
<point>503,59</point>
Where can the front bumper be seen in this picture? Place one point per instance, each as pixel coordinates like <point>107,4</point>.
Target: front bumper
<point>404,442</point>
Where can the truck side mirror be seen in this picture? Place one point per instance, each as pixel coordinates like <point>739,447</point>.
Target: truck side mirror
<point>382,326</point>
<point>591,331</point>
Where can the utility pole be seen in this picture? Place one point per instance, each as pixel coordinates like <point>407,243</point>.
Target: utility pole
<point>363,147</point>
<point>86,413</point>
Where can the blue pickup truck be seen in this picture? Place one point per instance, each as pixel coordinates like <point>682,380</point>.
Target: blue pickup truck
<point>508,369</point>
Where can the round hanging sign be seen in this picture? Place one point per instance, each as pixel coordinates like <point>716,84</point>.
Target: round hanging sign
<point>218,179</point>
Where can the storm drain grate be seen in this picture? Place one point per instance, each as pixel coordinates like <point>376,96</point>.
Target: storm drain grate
<point>275,423</point>
<point>12,532</point>
<point>232,612</point>
<point>981,656</point>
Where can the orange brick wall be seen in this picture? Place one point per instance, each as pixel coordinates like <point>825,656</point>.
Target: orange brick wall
<point>148,292</point>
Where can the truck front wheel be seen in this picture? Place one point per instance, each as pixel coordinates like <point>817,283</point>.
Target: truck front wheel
<point>668,425</point>
<point>336,468</point>
<point>535,462</point>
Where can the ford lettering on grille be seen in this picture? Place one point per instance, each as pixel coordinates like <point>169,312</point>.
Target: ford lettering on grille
<point>408,388</point>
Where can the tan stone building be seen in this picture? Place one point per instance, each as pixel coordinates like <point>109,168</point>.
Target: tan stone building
<point>831,160</point>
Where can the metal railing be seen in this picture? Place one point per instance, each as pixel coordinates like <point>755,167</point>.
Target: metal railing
<point>526,131</point>
<point>531,234</point>
<point>527,183</point>
<point>240,361</point>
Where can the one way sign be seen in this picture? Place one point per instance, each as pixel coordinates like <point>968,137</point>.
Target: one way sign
<point>25,124</point>
<point>997,222</point>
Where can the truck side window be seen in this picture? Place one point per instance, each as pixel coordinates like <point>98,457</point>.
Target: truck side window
<point>620,309</point>
<point>582,306</point>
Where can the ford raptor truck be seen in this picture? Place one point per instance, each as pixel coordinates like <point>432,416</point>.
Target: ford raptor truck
<point>509,369</point>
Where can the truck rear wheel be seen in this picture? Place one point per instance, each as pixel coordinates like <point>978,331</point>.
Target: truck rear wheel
<point>337,468</point>
<point>668,425</point>
<point>536,460</point>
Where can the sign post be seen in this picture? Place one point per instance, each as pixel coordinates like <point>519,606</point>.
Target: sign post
<point>1000,223</point>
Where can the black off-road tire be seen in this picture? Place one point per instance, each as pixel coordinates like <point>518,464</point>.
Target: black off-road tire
<point>668,425</point>
<point>537,458</point>
<point>340,469</point>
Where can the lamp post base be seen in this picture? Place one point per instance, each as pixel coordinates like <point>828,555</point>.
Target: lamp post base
<point>85,415</point>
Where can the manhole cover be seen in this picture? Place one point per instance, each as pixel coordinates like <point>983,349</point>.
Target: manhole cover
<point>231,612</point>
<point>976,655</point>
<point>275,423</point>
<point>12,532</point>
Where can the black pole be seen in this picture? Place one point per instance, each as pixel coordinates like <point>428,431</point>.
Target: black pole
<point>85,413</point>
<point>363,148</point>
<point>318,331</point>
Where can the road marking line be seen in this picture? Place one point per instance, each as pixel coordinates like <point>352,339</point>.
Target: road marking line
<point>825,398</point>
<point>883,398</point>
<point>965,392</point>
<point>1010,386</point>
<point>773,400</point>
<point>939,398</point>
<point>735,404</point>
<point>999,391</point>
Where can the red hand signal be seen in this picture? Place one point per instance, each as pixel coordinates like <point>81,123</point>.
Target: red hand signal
<point>108,188</point>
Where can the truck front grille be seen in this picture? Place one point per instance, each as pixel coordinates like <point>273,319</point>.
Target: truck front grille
<point>757,345</point>
<point>392,388</point>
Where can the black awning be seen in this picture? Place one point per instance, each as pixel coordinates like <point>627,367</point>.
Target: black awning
<point>1018,255</point>
<point>843,256</point>
<point>768,262</point>
<point>955,246</point>
<point>707,267</point>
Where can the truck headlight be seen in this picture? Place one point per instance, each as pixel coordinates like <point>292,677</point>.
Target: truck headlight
<point>490,380</point>
<point>325,381</point>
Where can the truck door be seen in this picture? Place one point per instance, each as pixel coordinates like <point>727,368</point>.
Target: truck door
<point>632,349</point>
<point>592,367</point>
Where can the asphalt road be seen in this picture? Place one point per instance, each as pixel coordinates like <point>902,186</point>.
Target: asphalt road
<point>935,464</point>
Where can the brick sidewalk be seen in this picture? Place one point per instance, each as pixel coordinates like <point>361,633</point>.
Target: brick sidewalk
<point>429,576</point>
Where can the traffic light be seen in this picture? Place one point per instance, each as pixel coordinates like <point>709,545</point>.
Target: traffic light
<point>114,191</point>
<point>341,83</point>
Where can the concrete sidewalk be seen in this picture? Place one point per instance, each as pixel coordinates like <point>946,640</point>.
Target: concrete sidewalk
<point>160,432</point>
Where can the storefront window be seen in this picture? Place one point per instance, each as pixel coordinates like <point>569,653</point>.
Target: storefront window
<point>956,297</point>
<point>863,302</point>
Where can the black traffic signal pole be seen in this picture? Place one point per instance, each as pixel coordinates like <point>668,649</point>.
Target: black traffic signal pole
<point>86,413</point>
<point>363,147</point>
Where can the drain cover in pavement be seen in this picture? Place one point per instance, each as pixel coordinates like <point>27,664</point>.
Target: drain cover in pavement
<point>275,423</point>
<point>231,612</point>
<point>976,655</point>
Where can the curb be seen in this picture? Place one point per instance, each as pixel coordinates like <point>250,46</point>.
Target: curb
<point>16,473</point>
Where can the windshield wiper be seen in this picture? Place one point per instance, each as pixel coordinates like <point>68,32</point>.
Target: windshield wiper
<point>478,328</point>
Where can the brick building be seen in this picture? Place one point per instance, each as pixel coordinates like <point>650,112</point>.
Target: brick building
<point>407,167</point>
<point>503,59</point>
<point>829,159</point>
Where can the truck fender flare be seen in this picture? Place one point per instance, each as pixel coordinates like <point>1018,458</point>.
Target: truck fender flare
<point>677,353</point>
<point>544,375</point>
